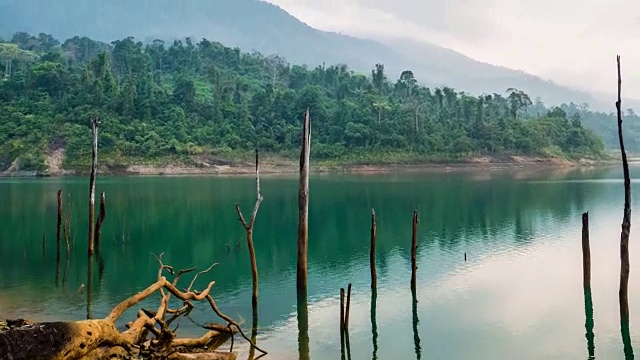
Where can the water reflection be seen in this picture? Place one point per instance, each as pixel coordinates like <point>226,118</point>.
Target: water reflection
<point>254,331</point>
<point>484,218</point>
<point>588,313</point>
<point>303,326</point>
<point>90,289</point>
<point>416,336</point>
<point>626,339</point>
<point>374,324</point>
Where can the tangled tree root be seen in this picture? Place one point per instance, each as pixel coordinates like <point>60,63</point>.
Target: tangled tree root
<point>148,337</point>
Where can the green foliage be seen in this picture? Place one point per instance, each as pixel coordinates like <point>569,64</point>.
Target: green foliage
<point>158,102</point>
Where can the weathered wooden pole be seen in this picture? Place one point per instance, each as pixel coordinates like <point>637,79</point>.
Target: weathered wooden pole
<point>347,311</point>
<point>92,183</point>
<point>249,234</point>
<point>414,249</point>
<point>372,254</point>
<point>44,243</point>
<point>626,219</point>
<point>101,216</point>
<point>303,204</point>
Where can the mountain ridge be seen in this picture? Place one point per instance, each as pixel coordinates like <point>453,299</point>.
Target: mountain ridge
<point>255,25</point>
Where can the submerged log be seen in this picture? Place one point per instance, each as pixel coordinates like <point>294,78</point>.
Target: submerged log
<point>100,339</point>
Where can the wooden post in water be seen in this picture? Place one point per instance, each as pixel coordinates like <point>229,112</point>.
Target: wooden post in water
<point>92,183</point>
<point>44,243</point>
<point>249,233</point>
<point>586,252</point>
<point>101,216</point>
<point>626,219</point>
<point>372,254</point>
<point>303,204</point>
<point>414,249</point>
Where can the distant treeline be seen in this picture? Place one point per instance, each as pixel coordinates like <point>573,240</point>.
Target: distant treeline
<point>158,101</point>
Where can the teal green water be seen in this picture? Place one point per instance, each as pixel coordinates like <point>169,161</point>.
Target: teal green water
<point>518,296</point>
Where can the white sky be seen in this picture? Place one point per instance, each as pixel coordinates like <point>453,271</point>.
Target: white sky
<point>572,42</point>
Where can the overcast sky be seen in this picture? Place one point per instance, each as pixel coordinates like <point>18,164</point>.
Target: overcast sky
<point>573,42</point>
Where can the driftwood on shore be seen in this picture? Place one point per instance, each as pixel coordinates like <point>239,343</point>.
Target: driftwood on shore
<point>149,336</point>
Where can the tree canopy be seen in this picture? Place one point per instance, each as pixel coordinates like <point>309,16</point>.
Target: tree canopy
<point>158,100</point>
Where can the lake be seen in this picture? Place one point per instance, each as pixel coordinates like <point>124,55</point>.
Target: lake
<point>518,295</point>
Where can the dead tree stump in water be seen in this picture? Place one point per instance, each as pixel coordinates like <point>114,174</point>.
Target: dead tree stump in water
<point>303,204</point>
<point>626,219</point>
<point>248,227</point>
<point>92,183</point>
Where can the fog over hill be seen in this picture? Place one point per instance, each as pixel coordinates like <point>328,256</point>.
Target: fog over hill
<point>260,26</point>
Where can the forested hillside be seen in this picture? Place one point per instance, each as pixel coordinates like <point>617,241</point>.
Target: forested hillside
<point>158,101</point>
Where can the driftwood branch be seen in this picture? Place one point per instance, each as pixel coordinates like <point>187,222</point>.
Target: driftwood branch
<point>149,333</point>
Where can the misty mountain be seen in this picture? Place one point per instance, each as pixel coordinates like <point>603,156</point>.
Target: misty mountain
<point>253,25</point>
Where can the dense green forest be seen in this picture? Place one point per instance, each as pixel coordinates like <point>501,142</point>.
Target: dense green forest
<point>177,101</point>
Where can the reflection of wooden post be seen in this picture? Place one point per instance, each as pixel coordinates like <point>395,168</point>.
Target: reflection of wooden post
<point>59,226</point>
<point>44,243</point>
<point>588,323</point>
<point>416,320</point>
<point>372,254</point>
<point>92,183</point>
<point>414,249</point>
<point>303,204</point>
<point>374,323</point>
<point>303,327</point>
<point>249,233</point>
<point>586,252</point>
<point>626,219</point>
<point>67,226</point>
<point>346,313</point>
<point>341,311</point>
<point>101,216</point>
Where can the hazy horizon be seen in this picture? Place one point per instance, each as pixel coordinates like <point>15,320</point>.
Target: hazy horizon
<point>569,43</point>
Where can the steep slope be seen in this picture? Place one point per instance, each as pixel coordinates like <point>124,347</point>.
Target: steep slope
<point>256,25</point>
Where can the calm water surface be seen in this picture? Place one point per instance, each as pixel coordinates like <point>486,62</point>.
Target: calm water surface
<point>518,296</point>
